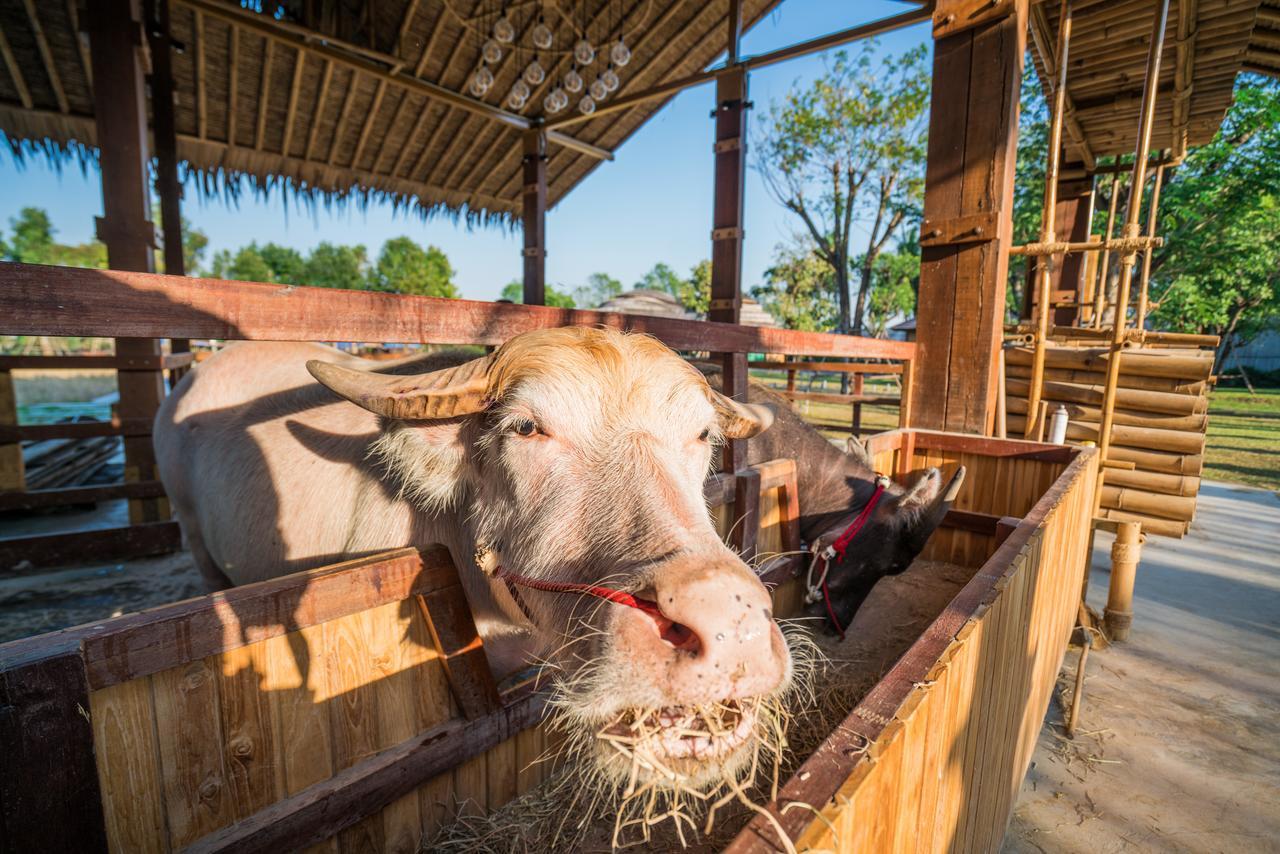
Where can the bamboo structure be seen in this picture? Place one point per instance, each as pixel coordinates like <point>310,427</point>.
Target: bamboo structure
<point>1047,232</point>
<point>1125,553</point>
<point>1153,211</point>
<point>1100,290</point>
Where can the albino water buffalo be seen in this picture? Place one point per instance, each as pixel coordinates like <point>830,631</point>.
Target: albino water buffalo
<point>570,455</point>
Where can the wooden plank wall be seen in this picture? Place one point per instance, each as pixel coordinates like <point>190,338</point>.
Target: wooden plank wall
<point>187,751</point>
<point>926,761</point>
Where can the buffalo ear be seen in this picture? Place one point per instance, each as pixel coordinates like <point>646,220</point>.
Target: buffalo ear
<point>740,420</point>
<point>925,505</point>
<point>859,452</point>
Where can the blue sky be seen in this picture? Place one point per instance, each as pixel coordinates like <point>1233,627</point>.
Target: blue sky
<point>651,204</point>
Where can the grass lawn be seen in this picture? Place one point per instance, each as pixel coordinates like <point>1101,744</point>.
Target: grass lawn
<point>1244,437</point>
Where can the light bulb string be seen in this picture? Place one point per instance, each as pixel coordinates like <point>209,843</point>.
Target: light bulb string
<point>581,32</point>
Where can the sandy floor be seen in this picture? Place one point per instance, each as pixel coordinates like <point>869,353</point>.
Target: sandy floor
<point>1179,742</point>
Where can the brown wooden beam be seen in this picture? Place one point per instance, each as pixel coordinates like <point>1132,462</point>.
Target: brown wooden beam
<point>73,18</point>
<point>535,218</point>
<point>264,92</point>
<point>973,131</point>
<point>233,86</point>
<point>104,545</point>
<point>68,496</point>
<point>322,98</point>
<point>120,113</point>
<point>15,72</point>
<point>1074,217</point>
<point>41,300</point>
<point>367,126</point>
<point>164,129</point>
<point>202,100</point>
<point>299,62</point>
<point>46,56</point>
<point>727,226</point>
<point>76,430</point>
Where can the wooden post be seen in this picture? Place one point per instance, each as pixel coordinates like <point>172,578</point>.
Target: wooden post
<point>1125,553</point>
<point>726,235</point>
<point>1100,291</point>
<point>973,134</point>
<point>1153,213</point>
<point>1073,217</point>
<point>535,217</point>
<point>164,130</point>
<point>859,385</point>
<point>1048,223</point>
<point>12,473</point>
<point>119,107</point>
<point>1131,229</point>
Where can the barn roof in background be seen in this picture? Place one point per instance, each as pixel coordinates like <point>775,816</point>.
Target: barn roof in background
<point>331,98</point>
<point>1207,43</point>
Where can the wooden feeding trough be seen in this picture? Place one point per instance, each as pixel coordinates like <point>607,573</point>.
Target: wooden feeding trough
<point>352,705</point>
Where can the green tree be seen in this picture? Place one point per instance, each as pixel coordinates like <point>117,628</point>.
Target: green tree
<point>513,291</point>
<point>895,284</point>
<point>333,265</point>
<point>694,293</point>
<point>600,287</point>
<point>404,267</point>
<point>799,290</point>
<point>850,148</point>
<point>1219,269</point>
<point>247,264</point>
<point>32,243</point>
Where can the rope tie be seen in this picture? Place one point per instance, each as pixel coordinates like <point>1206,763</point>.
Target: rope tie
<point>816,590</point>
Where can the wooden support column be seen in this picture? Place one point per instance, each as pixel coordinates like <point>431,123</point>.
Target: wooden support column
<point>1074,216</point>
<point>726,235</point>
<point>164,130</point>
<point>119,106</point>
<point>973,134</point>
<point>12,474</point>
<point>535,217</point>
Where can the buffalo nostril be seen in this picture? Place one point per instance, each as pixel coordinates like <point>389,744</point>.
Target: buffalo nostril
<point>679,636</point>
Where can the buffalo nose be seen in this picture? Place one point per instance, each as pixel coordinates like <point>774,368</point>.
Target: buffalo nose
<point>715,638</point>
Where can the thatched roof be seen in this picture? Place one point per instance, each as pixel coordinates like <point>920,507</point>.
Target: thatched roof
<point>1263,54</point>
<point>1107,58</point>
<point>257,105</point>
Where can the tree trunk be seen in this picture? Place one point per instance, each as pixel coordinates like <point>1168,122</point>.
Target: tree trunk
<point>842,290</point>
<point>864,289</point>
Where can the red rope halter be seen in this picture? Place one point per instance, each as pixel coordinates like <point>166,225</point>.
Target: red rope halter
<point>837,550</point>
<point>609,594</point>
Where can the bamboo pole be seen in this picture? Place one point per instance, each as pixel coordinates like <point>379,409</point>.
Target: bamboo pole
<point>1153,211</point>
<point>1100,295</point>
<point>1160,527</point>
<point>1048,234</point>
<point>1165,403</point>
<point>1077,697</point>
<point>1160,461</point>
<point>1125,553</point>
<point>1058,247</point>
<point>1002,411</point>
<point>1142,438</point>
<point>1150,481</point>
<point>1092,415</point>
<point>1181,508</point>
<point>1171,364</point>
<point>1131,229</point>
<point>1132,382</point>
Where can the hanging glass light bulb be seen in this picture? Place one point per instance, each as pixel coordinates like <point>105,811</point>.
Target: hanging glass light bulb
<point>586,106</point>
<point>573,81</point>
<point>534,73</point>
<point>515,102</point>
<point>620,53</point>
<point>598,90</point>
<point>520,89</point>
<point>503,30</point>
<point>610,79</point>
<point>555,101</point>
<point>541,35</point>
<point>583,52</point>
<point>481,81</point>
<point>491,51</point>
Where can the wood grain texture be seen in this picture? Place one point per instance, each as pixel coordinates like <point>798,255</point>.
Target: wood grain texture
<point>44,300</point>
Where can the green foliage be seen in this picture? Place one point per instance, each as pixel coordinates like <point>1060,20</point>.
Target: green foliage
<point>247,264</point>
<point>1219,271</point>
<point>514,292</point>
<point>404,267</point>
<point>895,283</point>
<point>31,242</point>
<point>850,148</point>
<point>694,293</point>
<point>333,265</point>
<point>600,287</point>
<point>799,290</point>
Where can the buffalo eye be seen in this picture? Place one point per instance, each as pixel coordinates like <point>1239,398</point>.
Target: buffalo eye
<point>525,427</point>
<point>704,435</point>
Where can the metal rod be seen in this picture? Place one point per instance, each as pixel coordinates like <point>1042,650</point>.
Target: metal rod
<point>1153,213</point>
<point>862,31</point>
<point>1047,218</point>
<point>1131,229</point>
<point>1100,293</point>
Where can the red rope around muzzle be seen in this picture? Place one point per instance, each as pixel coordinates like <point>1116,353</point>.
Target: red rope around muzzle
<point>837,550</point>
<point>609,594</point>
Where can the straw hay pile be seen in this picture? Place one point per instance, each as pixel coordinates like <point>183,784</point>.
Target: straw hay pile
<point>565,813</point>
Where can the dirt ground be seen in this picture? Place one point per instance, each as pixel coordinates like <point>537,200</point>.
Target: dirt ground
<point>1178,747</point>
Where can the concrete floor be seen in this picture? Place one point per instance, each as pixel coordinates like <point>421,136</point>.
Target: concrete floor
<point>1178,747</point>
